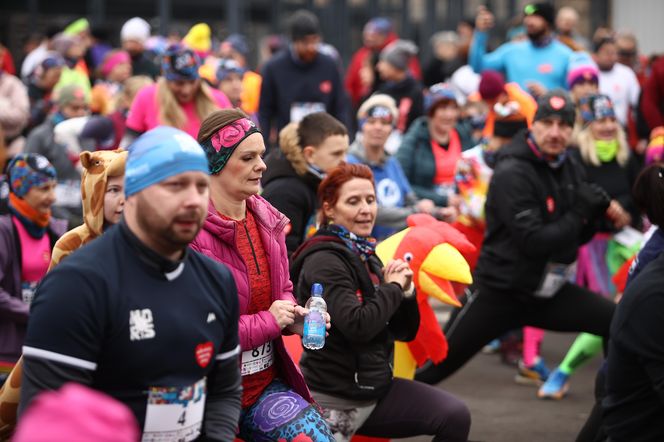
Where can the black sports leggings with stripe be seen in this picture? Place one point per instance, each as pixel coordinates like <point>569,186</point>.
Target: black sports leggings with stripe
<point>487,314</point>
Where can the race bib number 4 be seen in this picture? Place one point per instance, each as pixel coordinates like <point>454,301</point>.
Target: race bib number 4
<point>175,413</point>
<point>257,359</point>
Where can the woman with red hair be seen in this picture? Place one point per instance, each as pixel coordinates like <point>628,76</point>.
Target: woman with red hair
<point>371,305</point>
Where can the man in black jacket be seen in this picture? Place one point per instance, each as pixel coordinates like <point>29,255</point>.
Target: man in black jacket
<point>301,80</point>
<point>539,210</point>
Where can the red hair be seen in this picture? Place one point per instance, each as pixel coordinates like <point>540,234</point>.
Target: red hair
<point>329,188</point>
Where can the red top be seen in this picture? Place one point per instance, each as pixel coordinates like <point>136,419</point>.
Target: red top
<point>446,159</point>
<point>251,249</point>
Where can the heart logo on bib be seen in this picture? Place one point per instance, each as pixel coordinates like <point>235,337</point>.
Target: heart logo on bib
<point>204,354</point>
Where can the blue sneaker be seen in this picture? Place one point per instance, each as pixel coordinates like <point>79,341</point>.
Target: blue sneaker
<point>555,387</point>
<point>536,374</point>
<point>492,347</point>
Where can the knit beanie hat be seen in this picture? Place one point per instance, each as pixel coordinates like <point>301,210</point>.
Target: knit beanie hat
<point>378,25</point>
<point>303,24</point>
<point>378,106</point>
<point>543,9</point>
<point>492,84</point>
<point>438,93</point>
<point>161,153</point>
<point>101,131</point>
<point>581,68</point>
<point>28,170</point>
<point>220,146</point>
<point>69,93</point>
<point>228,66</point>
<point>135,29</point>
<point>655,149</point>
<point>596,107</point>
<point>238,43</point>
<point>180,63</point>
<point>77,26</point>
<point>199,39</point>
<point>398,53</point>
<point>76,412</point>
<point>556,103</point>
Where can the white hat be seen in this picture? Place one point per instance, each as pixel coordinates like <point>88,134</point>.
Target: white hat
<point>135,29</point>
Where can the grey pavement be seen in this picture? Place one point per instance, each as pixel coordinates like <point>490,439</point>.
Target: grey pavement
<point>503,411</point>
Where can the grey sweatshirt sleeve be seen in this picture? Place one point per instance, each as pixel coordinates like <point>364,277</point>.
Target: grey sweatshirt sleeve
<point>222,410</point>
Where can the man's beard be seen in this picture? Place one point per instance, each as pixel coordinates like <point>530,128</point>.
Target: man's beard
<point>537,36</point>
<point>164,233</point>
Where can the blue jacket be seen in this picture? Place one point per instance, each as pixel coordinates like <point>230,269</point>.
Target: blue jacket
<point>522,62</point>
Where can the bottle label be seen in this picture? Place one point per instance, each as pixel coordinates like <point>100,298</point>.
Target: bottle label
<point>314,325</point>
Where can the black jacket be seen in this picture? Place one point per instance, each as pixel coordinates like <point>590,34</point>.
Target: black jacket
<point>292,194</point>
<point>529,218</point>
<point>634,405</point>
<point>409,97</point>
<point>356,362</point>
<point>287,81</point>
<point>617,181</point>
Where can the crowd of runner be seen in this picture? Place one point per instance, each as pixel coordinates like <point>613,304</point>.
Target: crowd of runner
<point>165,208</point>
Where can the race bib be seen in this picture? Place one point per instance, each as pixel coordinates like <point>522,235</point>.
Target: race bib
<point>257,359</point>
<point>175,413</point>
<point>300,110</point>
<point>68,194</point>
<point>555,276</point>
<point>28,291</point>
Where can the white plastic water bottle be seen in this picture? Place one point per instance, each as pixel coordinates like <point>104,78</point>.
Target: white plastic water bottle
<point>313,337</point>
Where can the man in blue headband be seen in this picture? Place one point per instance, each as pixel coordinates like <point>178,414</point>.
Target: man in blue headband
<point>138,315</point>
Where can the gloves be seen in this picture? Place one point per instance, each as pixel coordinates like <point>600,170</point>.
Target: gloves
<point>591,201</point>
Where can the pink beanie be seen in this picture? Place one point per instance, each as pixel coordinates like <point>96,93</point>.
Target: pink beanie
<point>581,67</point>
<point>76,412</point>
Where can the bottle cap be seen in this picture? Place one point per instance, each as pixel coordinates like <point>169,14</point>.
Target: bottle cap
<point>316,289</point>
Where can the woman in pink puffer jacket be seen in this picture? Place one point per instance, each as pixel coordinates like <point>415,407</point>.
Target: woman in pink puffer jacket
<point>244,232</point>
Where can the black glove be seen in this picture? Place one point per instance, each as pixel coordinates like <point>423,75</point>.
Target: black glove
<point>591,201</point>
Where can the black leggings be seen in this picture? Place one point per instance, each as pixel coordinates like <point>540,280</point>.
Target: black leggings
<point>411,408</point>
<point>487,315</point>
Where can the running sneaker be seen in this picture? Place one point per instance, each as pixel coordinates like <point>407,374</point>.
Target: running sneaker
<point>492,347</point>
<point>555,387</point>
<point>536,374</point>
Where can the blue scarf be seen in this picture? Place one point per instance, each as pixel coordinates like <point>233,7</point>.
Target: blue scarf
<point>364,247</point>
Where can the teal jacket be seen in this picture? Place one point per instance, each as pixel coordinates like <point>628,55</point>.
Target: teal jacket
<point>418,162</point>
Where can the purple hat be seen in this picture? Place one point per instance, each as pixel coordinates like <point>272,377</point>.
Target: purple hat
<point>378,25</point>
<point>581,68</point>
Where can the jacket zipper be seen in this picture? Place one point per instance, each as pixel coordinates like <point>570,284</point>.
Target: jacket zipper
<point>251,244</point>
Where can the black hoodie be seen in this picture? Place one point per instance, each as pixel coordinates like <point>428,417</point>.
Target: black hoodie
<point>530,221</point>
<point>409,97</point>
<point>292,194</point>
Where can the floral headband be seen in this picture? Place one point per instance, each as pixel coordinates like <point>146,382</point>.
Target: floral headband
<point>221,145</point>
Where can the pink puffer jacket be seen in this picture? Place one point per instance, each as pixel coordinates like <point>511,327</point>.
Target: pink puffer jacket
<point>217,240</point>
